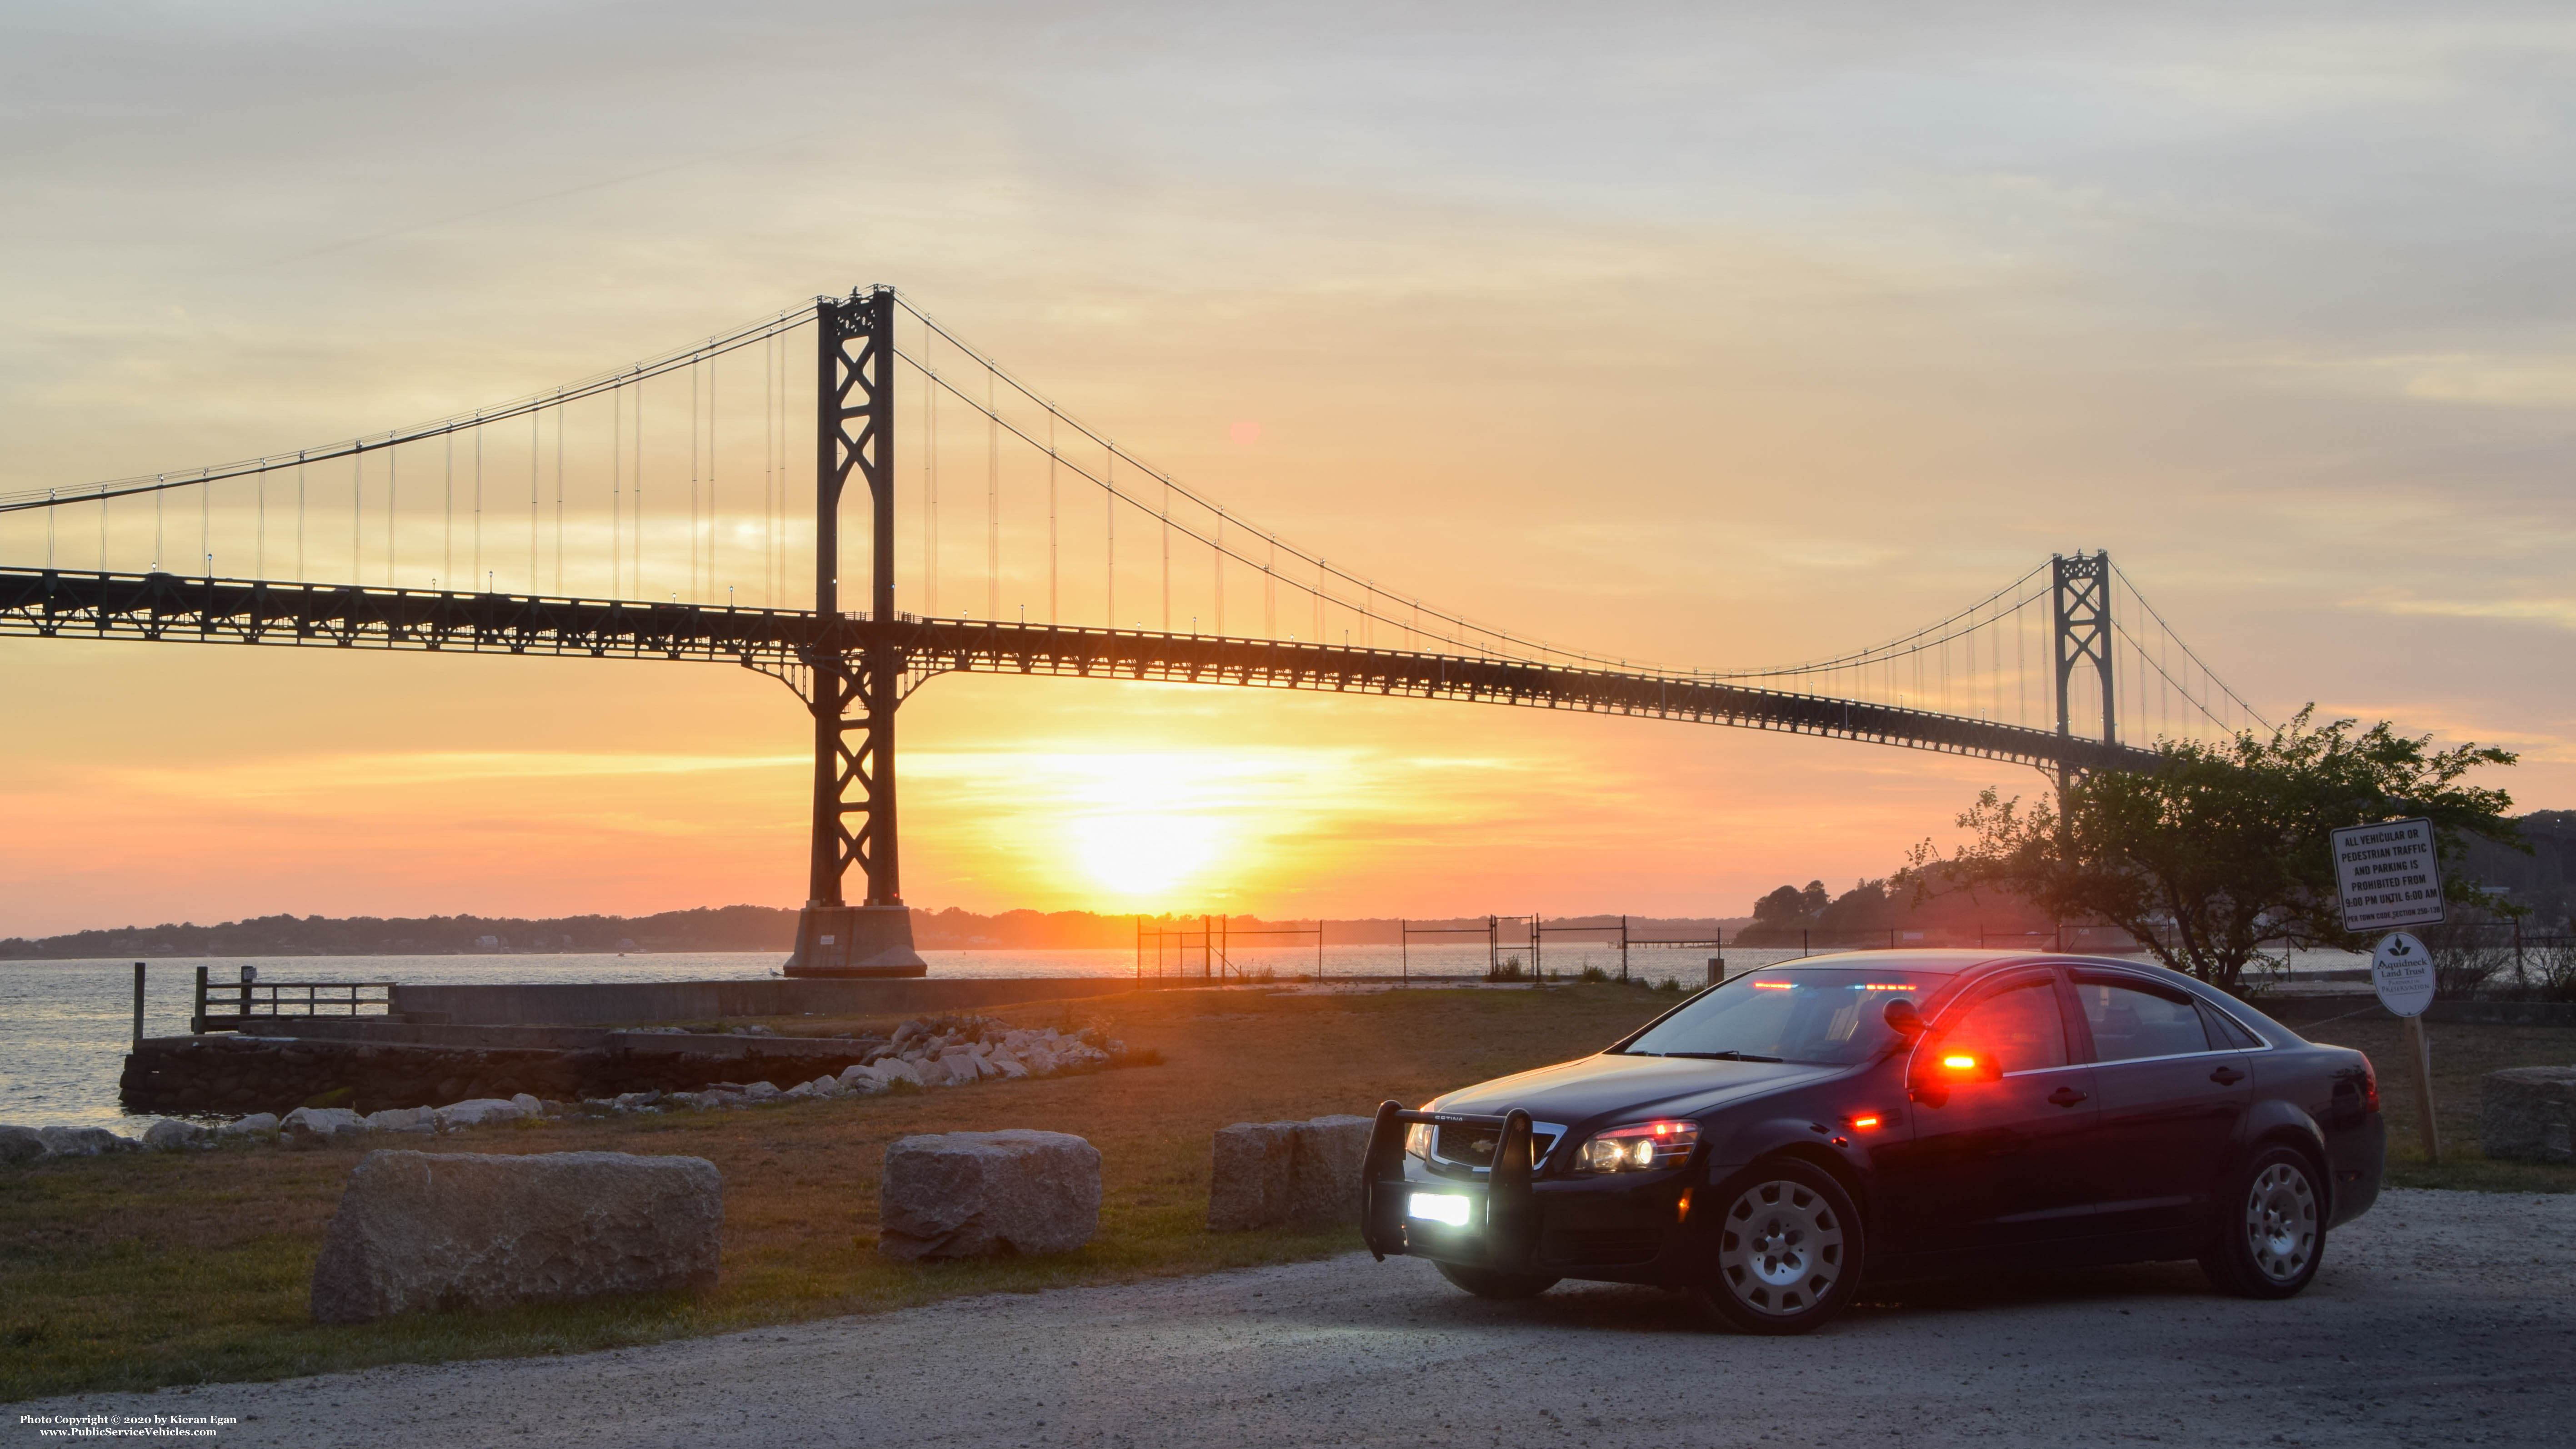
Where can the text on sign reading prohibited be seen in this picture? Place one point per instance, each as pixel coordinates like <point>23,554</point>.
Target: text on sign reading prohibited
<point>2388,875</point>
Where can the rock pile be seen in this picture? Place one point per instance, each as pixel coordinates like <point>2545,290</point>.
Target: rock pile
<point>1283,1174</point>
<point>988,1194</point>
<point>446,1230</point>
<point>942,1051</point>
<point>927,1052</point>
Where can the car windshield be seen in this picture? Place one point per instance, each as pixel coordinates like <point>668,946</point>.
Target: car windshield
<point>1827,1017</point>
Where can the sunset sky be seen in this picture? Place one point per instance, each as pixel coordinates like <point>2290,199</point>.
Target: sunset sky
<point>1718,336</point>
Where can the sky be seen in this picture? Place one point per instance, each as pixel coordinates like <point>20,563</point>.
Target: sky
<point>1713,335</point>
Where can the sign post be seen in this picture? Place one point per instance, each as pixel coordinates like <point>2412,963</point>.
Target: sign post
<point>2388,875</point>
<point>2402,972</point>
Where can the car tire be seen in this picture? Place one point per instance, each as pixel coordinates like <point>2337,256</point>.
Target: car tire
<point>2271,1227</point>
<point>1787,1251</point>
<point>1490,1283</point>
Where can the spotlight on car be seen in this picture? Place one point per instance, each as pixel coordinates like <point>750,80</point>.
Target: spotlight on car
<point>1439,1207</point>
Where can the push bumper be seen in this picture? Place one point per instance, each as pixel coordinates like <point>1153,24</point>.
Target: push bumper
<point>1488,1223</point>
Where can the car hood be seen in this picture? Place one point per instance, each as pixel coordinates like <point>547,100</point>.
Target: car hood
<point>1578,1092</point>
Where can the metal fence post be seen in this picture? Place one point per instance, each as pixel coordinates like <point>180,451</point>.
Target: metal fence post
<point>138,1004</point>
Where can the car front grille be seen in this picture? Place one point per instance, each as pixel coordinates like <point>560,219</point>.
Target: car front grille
<point>1468,1146</point>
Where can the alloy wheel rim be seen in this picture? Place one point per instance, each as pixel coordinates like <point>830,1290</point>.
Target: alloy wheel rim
<point>1780,1248</point>
<point>2281,1222</point>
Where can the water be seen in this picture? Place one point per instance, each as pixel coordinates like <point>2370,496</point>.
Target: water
<point>65,1025</point>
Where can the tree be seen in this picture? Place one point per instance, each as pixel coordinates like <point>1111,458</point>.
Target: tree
<point>2217,849</point>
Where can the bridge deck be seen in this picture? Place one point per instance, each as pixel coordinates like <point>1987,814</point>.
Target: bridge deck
<point>169,608</point>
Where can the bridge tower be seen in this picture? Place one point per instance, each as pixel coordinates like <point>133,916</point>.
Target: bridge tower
<point>2081,587</point>
<point>856,671</point>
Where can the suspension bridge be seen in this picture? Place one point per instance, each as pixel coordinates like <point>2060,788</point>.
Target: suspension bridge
<point>2062,669</point>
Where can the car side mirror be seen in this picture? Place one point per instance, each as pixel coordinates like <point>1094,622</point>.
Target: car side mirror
<point>1904,1020</point>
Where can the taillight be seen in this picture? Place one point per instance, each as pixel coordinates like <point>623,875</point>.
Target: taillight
<point>2369,1085</point>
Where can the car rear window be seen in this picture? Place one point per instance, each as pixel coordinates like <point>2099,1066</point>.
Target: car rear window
<point>1785,1014</point>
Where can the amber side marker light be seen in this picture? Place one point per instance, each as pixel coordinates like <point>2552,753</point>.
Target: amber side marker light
<point>1865,1122</point>
<point>1681,1211</point>
<point>1960,1063</point>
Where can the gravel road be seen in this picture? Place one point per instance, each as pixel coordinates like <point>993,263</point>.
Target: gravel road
<point>2440,1318</point>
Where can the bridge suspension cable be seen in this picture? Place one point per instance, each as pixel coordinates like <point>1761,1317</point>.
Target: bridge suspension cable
<point>627,524</point>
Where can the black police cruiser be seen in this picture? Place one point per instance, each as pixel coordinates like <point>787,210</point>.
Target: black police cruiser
<point>1771,1144</point>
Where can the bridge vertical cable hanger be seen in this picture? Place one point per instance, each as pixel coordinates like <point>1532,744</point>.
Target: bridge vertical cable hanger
<point>854,669</point>
<point>992,505</point>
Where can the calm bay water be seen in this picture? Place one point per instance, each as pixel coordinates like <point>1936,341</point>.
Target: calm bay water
<point>65,1025</point>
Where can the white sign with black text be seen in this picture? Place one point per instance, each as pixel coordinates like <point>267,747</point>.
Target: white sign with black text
<point>2388,875</point>
<point>2401,971</point>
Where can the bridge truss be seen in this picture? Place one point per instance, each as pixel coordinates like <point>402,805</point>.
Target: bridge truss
<point>854,669</point>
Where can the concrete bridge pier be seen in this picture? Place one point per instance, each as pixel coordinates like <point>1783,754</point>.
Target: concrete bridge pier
<point>855,941</point>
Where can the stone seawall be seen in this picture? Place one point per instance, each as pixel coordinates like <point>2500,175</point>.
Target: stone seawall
<point>607,1003</point>
<point>240,1074</point>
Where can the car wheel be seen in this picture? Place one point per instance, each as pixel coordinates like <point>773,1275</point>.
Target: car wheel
<point>1488,1283</point>
<point>1789,1248</point>
<point>2272,1234</point>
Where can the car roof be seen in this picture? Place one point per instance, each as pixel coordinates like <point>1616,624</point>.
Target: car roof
<point>1942,962</point>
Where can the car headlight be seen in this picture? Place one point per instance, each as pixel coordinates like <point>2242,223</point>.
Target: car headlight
<point>1640,1148</point>
<point>1417,1141</point>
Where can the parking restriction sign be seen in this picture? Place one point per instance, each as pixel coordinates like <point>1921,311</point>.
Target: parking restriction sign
<point>2388,875</point>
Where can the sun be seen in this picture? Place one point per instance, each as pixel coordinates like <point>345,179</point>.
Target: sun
<point>1144,854</point>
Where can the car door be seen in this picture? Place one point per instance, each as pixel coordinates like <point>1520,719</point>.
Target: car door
<point>2172,1096</point>
<point>2002,1111</point>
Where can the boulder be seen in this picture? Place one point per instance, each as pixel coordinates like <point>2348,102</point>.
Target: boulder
<point>403,1119</point>
<point>896,1069</point>
<point>169,1136</point>
<point>20,1144</point>
<point>762,1092</point>
<point>431,1230</point>
<point>988,1194</point>
<point>1249,1185</point>
<point>528,1104</point>
<point>257,1124</point>
<point>2528,1113</point>
<point>83,1141</point>
<point>476,1112</point>
<point>1282,1174</point>
<point>311,1126</point>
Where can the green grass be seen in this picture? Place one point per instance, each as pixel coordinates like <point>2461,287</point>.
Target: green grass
<point>2464,1168</point>
<point>137,1271</point>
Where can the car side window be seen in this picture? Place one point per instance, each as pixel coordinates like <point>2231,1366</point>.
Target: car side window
<point>2227,1029</point>
<point>2018,1028</point>
<point>2130,1019</point>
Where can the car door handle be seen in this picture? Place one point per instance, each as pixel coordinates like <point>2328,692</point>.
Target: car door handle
<point>2227,1076</point>
<point>2066,1096</point>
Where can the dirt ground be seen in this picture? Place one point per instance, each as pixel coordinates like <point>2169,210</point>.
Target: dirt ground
<point>2440,1318</point>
